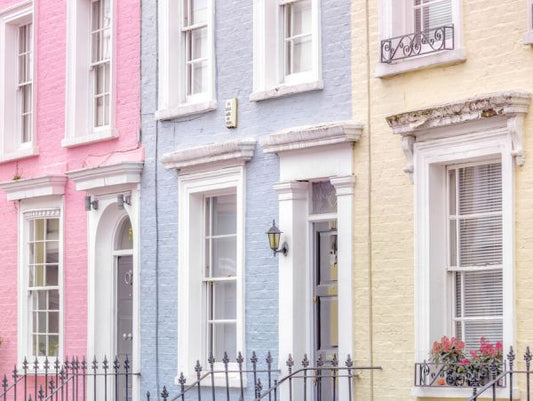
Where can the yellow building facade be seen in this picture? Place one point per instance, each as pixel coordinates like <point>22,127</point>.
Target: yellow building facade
<point>467,104</point>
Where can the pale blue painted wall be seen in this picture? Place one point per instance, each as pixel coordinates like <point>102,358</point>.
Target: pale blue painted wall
<point>233,35</point>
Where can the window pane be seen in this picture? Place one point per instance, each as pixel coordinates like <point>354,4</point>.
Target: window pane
<point>39,230</point>
<point>224,257</point>
<point>38,276</point>
<point>224,215</point>
<point>483,293</point>
<point>301,54</point>
<point>53,300</point>
<point>492,330</point>
<point>53,322</point>
<point>199,43</point>
<point>224,339</point>
<point>480,241</point>
<point>453,243</point>
<point>329,322</point>
<point>199,77</point>
<point>300,18</point>
<point>480,189</point>
<point>53,345</point>
<point>324,197</point>
<point>199,11</point>
<point>225,300</point>
<point>51,275</point>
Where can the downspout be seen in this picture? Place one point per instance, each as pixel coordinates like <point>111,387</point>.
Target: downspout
<point>369,200</point>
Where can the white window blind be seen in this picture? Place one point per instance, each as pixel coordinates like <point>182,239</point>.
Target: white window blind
<point>475,251</point>
<point>430,14</point>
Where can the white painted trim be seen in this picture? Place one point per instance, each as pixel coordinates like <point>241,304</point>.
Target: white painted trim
<point>502,109</point>
<point>438,153</point>
<point>460,393</point>
<point>185,109</point>
<point>235,152</point>
<point>192,187</point>
<point>34,187</point>
<point>79,129</point>
<point>10,19</point>
<point>310,136</point>
<point>440,59</point>
<point>23,318</point>
<point>528,37</point>
<point>286,89</point>
<point>172,101</point>
<point>19,154</point>
<point>268,76</point>
<point>102,225</point>
<point>107,178</point>
<point>98,135</point>
<point>391,25</point>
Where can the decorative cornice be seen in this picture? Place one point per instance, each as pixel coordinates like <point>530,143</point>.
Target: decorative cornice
<point>235,152</point>
<point>34,187</point>
<point>311,136</point>
<point>413,126</point>
<point>106,176</point>
<point>291,190</point>
<point>476,108</point>
<point>344,185</point>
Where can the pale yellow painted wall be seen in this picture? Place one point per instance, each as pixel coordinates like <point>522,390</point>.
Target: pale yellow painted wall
<point>384,248</point>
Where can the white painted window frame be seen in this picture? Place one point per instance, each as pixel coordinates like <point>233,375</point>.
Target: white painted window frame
<point>44,206</point>
<point>173,101</point>
<point>268,75</point>
<point>11,147</point>
<point>191,317</point>
<point>79,129</point>
<point>528,37</point>
<point>461,144</point>
<point>390,26</point>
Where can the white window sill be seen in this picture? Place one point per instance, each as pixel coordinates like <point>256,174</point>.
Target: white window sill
<point>186,109</point>
<point>528,38</point>
<point>18,154</point>
<point>98,136</point>
<point>234,380</point>
<point>441,59</point>
<point>286,90</point>
<point>461,393</point>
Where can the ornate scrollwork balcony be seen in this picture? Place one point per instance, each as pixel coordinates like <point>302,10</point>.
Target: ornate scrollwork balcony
<point>458,374</point>
<point>417,44</point>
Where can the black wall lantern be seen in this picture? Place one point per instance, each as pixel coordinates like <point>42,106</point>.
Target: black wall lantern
<point>90,203</point>
<point>274,235</point>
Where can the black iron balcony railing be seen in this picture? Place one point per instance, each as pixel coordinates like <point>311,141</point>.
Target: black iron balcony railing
<point>417,44</point>
<point>456,374</point>
<point>322,380</point>
<point>511,376</point>
<point>74,380</point>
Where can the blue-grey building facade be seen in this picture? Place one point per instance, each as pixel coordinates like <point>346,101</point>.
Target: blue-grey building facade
<point>263,108</point>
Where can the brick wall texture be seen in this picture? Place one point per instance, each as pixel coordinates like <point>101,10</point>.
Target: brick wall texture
<point>233,36</point>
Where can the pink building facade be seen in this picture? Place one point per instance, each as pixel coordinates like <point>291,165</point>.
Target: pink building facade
<point>70,168</point>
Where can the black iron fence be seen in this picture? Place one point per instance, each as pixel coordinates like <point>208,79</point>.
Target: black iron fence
<point>259,380</point>
<point>511,377</point>
<point>417,43</point>
<point>69,380</point>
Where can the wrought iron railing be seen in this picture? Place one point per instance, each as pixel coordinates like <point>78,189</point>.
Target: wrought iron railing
<point>74,380</point>
<point>417,43</point>
<point>510,376</point>
<point>461,374</point>
<point>322,380</point>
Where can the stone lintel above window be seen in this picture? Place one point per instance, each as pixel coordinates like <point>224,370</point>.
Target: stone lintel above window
<point>421,125</point>
<point>312,136</point>
<point>34,187</point>
<point>224,154</point>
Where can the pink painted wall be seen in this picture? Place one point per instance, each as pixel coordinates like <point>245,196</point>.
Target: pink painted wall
<point>50,59</point>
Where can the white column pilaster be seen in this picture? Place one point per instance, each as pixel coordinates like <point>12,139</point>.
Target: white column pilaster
<point>344,186</point>
<point>293,322</point>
